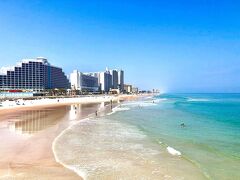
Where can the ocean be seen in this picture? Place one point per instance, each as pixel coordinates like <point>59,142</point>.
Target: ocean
<point>170,136</point>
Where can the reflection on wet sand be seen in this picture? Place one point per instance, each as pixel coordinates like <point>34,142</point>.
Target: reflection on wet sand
<point>27,136</point>
<point>29,122</point>
<point>32,121</point>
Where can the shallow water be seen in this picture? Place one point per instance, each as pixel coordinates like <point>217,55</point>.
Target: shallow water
<point>211,135</point>
<point>145,140</point>
<point>106,149</point>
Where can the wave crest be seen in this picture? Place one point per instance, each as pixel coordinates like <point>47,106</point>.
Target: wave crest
<point>173,151</point>
<point>198,100</point>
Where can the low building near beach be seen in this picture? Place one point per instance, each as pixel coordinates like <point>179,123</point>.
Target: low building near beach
<point>7,95</point>
<point>114,91</point>
<point>134,90</point>
<point>127,88</point>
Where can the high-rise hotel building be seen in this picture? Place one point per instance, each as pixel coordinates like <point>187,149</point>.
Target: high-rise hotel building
<point>83,82</point>
<point>114,74</point>
<point>121,80</point>
<point>33,75</point>
<point>110,79</point>
<point>105,81</point>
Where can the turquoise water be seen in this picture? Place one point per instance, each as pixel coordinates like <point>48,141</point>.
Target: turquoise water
<point>211,136</point>
<point>145,140</point>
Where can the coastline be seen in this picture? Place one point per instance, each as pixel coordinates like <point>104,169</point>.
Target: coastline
<point>34,156</point>
<point>104,113</point>
<point>99,158</point>
<point>46,102</point>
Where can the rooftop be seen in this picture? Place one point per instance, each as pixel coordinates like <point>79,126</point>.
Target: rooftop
<point>38,59</point>
<point>3,70</point>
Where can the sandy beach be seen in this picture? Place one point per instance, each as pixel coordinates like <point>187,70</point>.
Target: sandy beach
<point>27,133</point>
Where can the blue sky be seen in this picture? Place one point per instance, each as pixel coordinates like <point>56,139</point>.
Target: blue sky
<point>178,46</point>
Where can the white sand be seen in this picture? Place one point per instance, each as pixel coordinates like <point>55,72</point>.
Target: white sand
<point>46,101</point>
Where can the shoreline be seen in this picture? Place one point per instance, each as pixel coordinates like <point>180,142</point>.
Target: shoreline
<point>62,140</point>
<point>105,113</point>
<point>54,152</point>
<point>22,165</point>
<point>47,102</point>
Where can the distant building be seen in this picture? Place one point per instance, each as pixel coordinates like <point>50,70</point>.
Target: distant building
<point>114,74</point>
<point>97,75</point>
<point>105,81</point>
<point>121,80</point>
<point>74,80</point>
<point>127,88</point>
<point>115,91</point>
<point>110,80</point>
<point>83,82</point>
<point>135,90</point>
<point>156,91</point>
<point>33,75</point>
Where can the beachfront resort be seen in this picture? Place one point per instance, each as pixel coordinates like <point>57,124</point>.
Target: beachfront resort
<point>76,90</point>
<point>38,78</point>
<point>39,102</point>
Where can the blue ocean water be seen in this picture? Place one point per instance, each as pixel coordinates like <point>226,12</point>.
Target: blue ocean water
<point>210,137</point>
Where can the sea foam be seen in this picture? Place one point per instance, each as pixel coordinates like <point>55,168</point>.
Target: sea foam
<point>117,109</point>
<point>106,147</point>
<point>173,151</point>
<point>198,100</point>
<point>73,168</point>
<point>92,147</point>
<point>139,104</point>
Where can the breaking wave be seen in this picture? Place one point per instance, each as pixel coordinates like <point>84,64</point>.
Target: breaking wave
<point>96,146</point>
<point>173,151</point>
<point>198,100</point>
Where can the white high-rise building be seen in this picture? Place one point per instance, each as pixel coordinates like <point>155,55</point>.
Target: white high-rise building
<point>74,80</point>
<point>105,81</point>
<point>110,79</point>
<point>83,82</point>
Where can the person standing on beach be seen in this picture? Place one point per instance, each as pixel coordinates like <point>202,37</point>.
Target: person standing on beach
<point>111,104</point>
<point>96,113</point>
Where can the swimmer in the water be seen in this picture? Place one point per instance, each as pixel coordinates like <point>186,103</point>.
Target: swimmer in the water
<point>182,125</point>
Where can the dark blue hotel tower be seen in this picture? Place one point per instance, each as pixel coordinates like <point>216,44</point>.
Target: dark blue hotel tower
<point>34,75</point>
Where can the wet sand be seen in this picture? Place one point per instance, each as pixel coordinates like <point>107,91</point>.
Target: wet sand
<point>27,133</point>
<point>27,136</point>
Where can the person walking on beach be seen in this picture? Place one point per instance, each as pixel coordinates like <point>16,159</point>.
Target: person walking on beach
<point>96,113</point>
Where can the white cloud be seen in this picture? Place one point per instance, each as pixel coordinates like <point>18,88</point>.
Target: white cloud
<point>3,70</point>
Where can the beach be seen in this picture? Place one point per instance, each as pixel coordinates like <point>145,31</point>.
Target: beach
<point>28,131</point>
<point>145,139</point>
<point>134,137</point>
